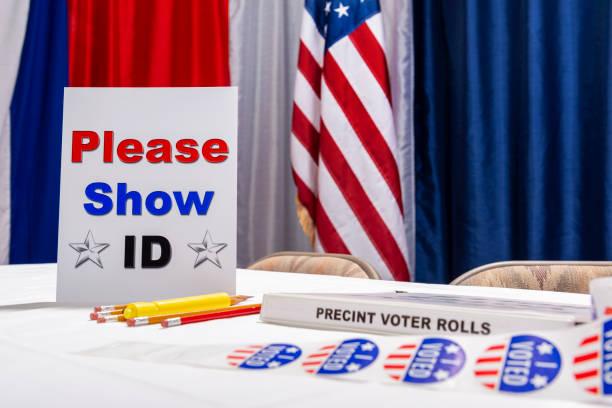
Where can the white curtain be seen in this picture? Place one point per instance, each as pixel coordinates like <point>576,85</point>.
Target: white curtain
<point>397,18</point>
<point>13,20</point>
<point>264,39</point>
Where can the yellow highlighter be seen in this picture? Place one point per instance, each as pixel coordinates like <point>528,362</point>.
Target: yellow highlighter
<point>181,305</point>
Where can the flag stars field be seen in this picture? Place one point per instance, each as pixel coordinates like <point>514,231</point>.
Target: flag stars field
<point>342,10</point>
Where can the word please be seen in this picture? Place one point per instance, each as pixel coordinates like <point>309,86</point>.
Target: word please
<point>158,150</point>
<point>97,192</point>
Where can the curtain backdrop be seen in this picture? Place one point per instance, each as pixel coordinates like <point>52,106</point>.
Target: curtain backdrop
<point>13,20</point>
<point>148,43</point>
<point>397,17</point>
<point>112,43</point>
<point>169,43</point>
<point>36,125</point>
<point>513,132</point>
<point>264,39</point>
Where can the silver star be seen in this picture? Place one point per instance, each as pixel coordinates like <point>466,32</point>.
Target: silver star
<point>441,375</point>
<point>273,364</point>
<point>539,381</point>
<point>291,350</point>
<point>367,346</point>
<point>451,349</point>
<point>342,10</point>
<point>89,250</point>
<point>327,7</point>
<point>352,367</point>
<point>207,251</point>
<point>544,348</point>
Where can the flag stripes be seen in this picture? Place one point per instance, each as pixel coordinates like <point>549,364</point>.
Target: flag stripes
<point>366,44</point>
<point>363,82</point>
<point>352,190</point>
<point>333,241</point>
<point>344,147</point>
<point>305,195</point>
<point>362,124</point>
<point>365,169</point>
<point>310,68</point>
<point>305,132</point>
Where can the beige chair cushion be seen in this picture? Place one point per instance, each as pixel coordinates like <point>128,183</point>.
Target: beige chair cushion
<point>558,276</point>
<point>315,263</point>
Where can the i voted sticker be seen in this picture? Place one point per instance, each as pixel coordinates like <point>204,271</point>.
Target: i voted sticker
<point>525,363</point>
<point>260,357</point>
<point>593,362</point>
<point>347,357</point>
<point>433,360</point>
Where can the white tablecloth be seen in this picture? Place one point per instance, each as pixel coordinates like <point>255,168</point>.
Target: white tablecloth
<point>39,364</point>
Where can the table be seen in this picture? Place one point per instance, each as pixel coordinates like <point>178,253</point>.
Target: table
<point>39,364</point>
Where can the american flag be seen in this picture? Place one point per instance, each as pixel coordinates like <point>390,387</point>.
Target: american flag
<point>343,141</point>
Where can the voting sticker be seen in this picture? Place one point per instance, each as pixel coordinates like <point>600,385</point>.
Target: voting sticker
<point>259,357</point>
<point>523,364</point>
<point>433,360</point>
<point>346,357</point>
<point>593,362</point>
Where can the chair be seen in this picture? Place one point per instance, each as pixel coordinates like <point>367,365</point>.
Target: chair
<point>558,276</point>
<point>315,263</point>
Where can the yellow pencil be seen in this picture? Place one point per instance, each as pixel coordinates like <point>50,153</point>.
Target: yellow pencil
<point>181,305</point>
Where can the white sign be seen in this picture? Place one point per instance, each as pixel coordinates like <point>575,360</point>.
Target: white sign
<point>148,194</point>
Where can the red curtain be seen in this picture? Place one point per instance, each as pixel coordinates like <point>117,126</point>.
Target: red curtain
<point>148,42</point>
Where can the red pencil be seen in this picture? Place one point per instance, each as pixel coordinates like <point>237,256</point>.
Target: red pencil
<point>178,321</point>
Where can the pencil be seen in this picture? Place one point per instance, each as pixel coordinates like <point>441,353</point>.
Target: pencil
<point>145,320</point>
<point>96,315</point>
<point>238,298</point>
<point>109,307</point>
<point>113,318</point>
<point>182,305</point>
<point>178,321</point>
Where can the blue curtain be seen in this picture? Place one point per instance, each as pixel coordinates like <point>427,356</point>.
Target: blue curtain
<point>36,127</point>
<point>513,132</point>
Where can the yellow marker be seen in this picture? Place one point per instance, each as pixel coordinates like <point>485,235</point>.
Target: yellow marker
<point>181,305</point>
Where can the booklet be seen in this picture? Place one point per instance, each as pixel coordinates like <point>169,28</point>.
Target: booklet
<point>418,313</point>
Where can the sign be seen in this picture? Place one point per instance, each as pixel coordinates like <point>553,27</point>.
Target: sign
<point>148,194</point>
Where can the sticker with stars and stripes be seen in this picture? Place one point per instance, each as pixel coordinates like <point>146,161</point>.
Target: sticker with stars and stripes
<point>261,357</point>
<point>520,364</point>
<point>593,361</point>
<point>433,360</point>
<point>346,357</point>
